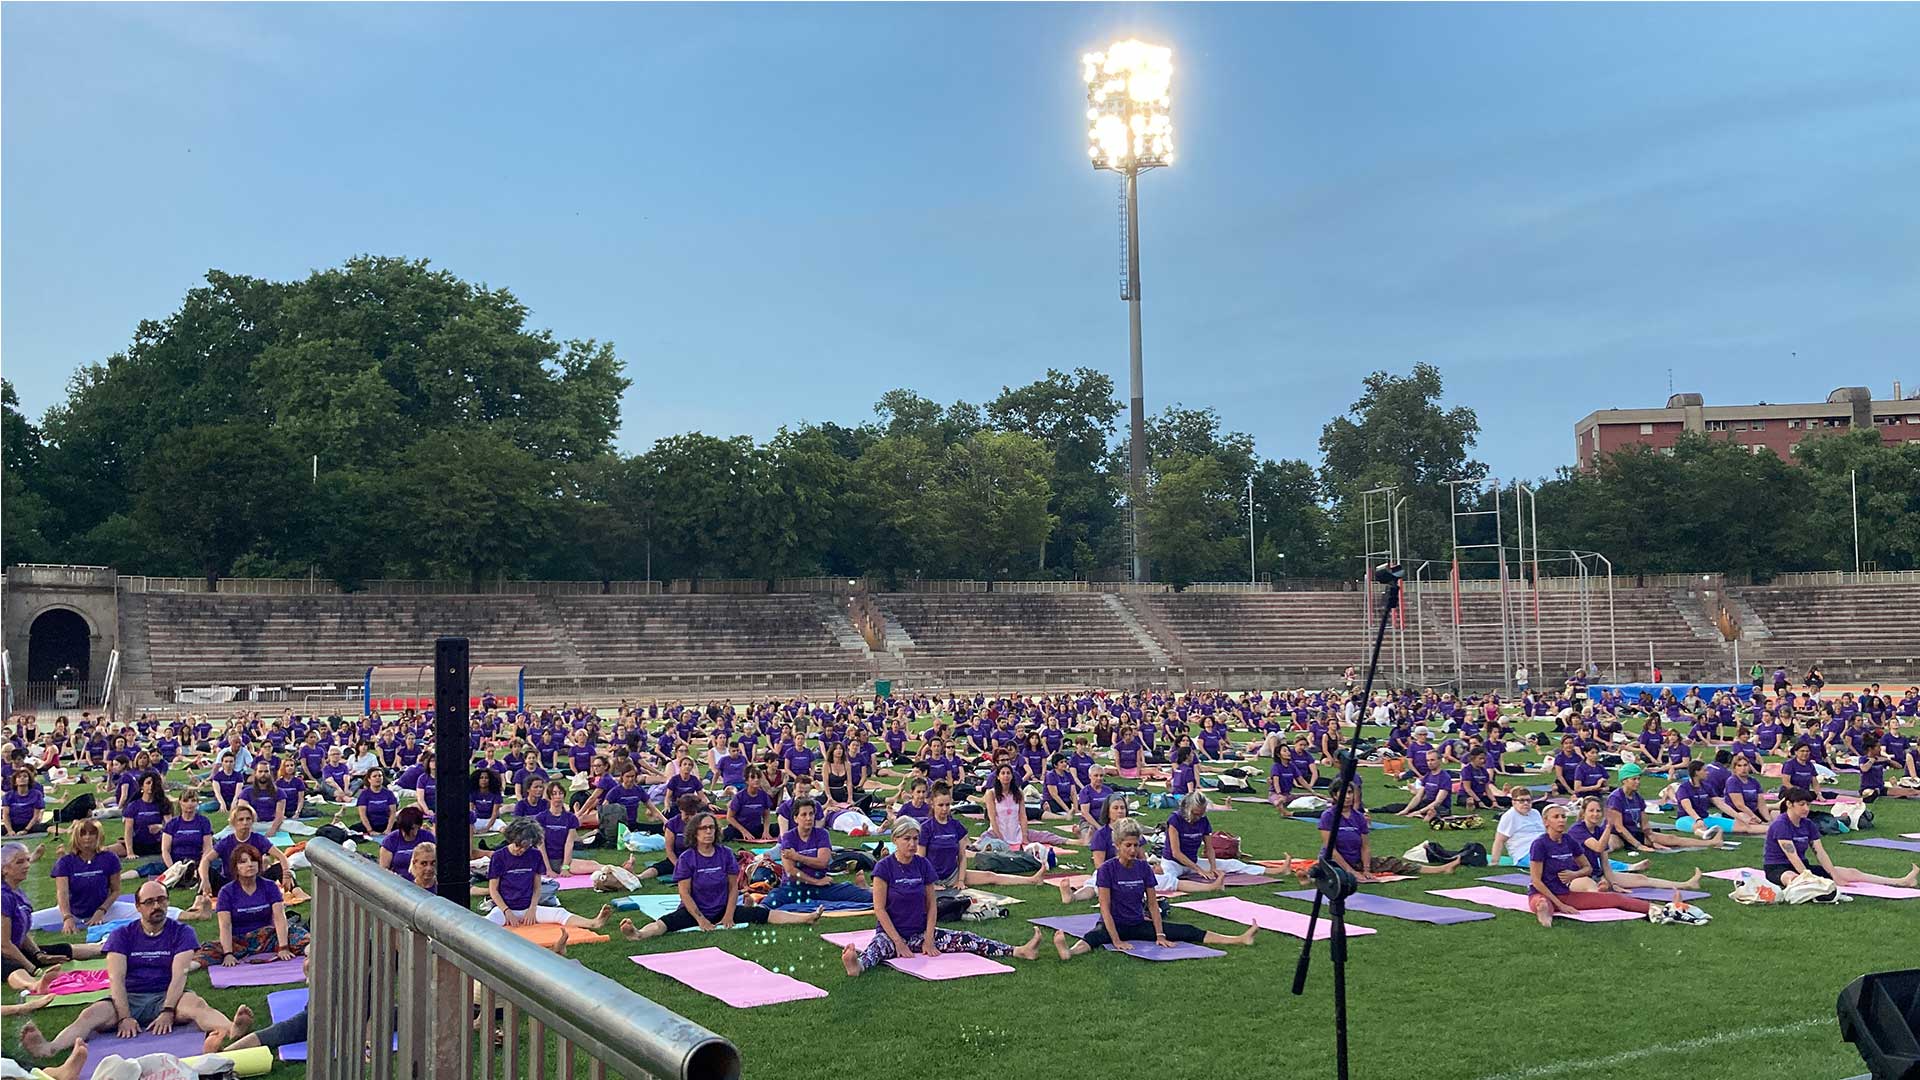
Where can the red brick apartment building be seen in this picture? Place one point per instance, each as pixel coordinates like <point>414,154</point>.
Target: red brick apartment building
<point>1777,427</point>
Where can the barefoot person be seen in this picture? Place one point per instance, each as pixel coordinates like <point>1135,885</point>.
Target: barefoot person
<point>27,965</point>
<point>708,876</point>
<point>904,892</point>
<point>147,965</point>
<point>513,882</point>
<point>1355,854</point>
<point>1591,833</point>
<point>86,881</point>
<point>1557,859</point>
<point>1793,834</point>
<point>252,916</point>
<point>1130,906</point>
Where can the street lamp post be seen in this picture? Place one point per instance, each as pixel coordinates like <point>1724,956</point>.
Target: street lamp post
<point>1253,576</point>
<point>1130,130</point>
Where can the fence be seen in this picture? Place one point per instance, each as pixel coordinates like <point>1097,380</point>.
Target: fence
<point>60,695</point>
<point>396,966</point>
<point>1846,577</point>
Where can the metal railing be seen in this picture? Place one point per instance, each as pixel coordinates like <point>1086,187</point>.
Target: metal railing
<point>397,972</point>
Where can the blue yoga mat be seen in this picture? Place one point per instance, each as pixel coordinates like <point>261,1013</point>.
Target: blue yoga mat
<point>1399,909</point>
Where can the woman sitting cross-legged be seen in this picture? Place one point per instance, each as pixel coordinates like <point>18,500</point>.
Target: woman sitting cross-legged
<point>253,916</point>
<point>709,879</point>
<point>1130,906</point>
<point>904,891</point>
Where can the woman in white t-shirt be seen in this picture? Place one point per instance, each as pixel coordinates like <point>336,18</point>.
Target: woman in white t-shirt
<point>1518,829</point>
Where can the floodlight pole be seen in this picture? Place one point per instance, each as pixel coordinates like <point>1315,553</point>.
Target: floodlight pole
<point>1136,393</point>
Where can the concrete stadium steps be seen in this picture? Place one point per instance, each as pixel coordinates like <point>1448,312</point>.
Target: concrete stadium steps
<point>1639,616</point>
<point>640,634</point>
<point>988,630</point>
<point>195,639</point>
<point>1873,627</point>
<point>1310,630</point>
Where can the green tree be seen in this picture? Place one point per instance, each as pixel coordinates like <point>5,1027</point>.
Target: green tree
<point>210,494</point>
<point>893,483</point>
<point>1073,416</point>
<point>1190,519</point>
<point>28,517</point>
<point>990,505</point>
<point>469,504</point>
<point>701,502</point>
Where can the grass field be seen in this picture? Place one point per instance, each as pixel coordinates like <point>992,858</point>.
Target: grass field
<point>1751,995</point>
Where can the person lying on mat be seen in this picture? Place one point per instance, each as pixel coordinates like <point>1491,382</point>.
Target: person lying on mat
<point>1793,834</point>
<point>1591,832</point>
<point>1555,860</point>
<point>514,871</point>
<point>1626,813</point>
<point>1130,905</point>
<point>904,897</point>
<point>26,963</point>
<point>147,965</point>
<point>1355,851</point>
<point>708,877</point>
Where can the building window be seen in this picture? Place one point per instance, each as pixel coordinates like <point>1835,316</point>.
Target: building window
<point>1646,429</point>
<point>1756,448</point>
<point>1793,425</point>
<point>1885,421</point>
<point>1716,425</point>
<point>1759,425</point>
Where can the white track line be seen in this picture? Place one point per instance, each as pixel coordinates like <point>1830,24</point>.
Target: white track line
<point>1626,1056</point>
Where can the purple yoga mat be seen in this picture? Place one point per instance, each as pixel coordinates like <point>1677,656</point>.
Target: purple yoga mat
<point>271,973</point>
<point>1890,845</point>
<point>1399,909</point>
<point>717,973</point>
<point>183,1041</point>
<point>1658,895</point>
<point>1081,925</point>
<point>1076,925</point>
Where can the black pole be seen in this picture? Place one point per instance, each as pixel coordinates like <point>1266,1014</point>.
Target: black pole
<point>1332,883</point>
<point>451,829</point>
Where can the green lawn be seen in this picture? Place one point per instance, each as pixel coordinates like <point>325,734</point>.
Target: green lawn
<point>1750,995</point>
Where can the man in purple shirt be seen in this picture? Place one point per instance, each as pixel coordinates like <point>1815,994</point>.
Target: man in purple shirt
<point>147,965</point>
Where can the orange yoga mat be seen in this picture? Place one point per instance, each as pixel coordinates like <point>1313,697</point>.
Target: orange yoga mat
<point>546,935</point>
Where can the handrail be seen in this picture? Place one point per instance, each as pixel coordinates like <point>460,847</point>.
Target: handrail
<point>375,935</point>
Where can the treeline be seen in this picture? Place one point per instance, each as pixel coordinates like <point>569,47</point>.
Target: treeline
<point>454,442</point>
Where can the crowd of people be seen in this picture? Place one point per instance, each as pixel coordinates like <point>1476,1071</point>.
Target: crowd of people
<point>1042,776</point>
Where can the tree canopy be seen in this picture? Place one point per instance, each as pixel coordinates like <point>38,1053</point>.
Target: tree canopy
<point>454,440</point>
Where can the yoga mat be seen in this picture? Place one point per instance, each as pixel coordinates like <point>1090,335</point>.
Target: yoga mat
<point>992,898</point>
<point>653,907</point>
<point>1236,880</point>
<point>78,982</point>
<point>1911,835</point>
<point>717,973</point>
<point>285,1005</point>
<point>1179,950</point>
<point>61,1001</point>
<point>1398,909</point>
<point>270,973</point>
<point>1512,901</point>
<point>933,969</point>
<point>48,918</point>
<point>1883,892</point>
<point>1660,895</point>
<point>1890,845</point>
<point>253,1061</point>
<point>1234,909</point>
<point>183,1041</point>
<point>571,882</point>
<point>546,935</point>
<point>1074,925</point>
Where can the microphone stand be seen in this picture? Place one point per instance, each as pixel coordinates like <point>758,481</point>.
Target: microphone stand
<point>1332,883</point>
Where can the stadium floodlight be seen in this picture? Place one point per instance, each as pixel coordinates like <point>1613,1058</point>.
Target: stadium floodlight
<point>1130,130</point>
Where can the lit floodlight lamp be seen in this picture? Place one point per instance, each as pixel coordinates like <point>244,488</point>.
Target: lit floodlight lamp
<point>1129,106</point>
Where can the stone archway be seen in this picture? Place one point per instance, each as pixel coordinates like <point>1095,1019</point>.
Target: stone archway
<point>60,647</point>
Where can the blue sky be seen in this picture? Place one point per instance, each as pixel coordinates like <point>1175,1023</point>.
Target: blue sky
<point>777,213</point>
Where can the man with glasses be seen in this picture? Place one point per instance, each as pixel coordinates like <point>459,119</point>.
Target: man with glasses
<point>147,965</point>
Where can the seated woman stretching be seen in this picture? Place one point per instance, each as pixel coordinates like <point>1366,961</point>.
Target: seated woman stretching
<point>1102,847</point>
<point>1130,905</point>
<point>513,882</point>
<point>86,881</point>
<point>1693,801</point>
<point>252,916</point>
<point>805,853</point>
<point>708,876</point>
<point>1793,834</point>
<point>905,891</point>
<point>1354,852</point>
<point>1590,832</point>
<point>1556,860</point>
<point>27,964</point>
<point>1751,813</point>
<point>1189,842</point>
<point>1627,813</point>
<point>943,840</point>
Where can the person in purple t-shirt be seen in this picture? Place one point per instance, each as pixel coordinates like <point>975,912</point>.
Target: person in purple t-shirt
<point>252,915</point>
<point>147,965</point>
<point>1793,834</point>
<point>904,897</point>
<point>1130,905</point>
<point>396,848</point>
<point>1554,862</point>
<point>87,881</point>
<point>1354,852</point>
<point>514,871</point>
<point>375,803</point>
<point>708,876</point>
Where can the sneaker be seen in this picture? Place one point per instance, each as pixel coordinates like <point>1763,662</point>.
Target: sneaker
<point>983,911</point>
<point>1688,914</point>
<point>1657,914</point>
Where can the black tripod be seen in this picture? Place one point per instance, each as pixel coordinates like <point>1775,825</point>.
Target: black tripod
<point>1331,882</point>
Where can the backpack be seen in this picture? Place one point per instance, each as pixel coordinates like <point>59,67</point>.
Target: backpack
<point>1828,824</point>
<point>1225,845</point>
<point>1855,815</point>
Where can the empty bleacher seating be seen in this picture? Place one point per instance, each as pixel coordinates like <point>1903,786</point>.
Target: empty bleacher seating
<point>704,634</point>
<point>1851,630</point>
<point>980,631</point>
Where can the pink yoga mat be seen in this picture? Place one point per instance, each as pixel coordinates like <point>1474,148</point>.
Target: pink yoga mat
<point>571,882</point>
<point>1858,888</point>
<point>717,973</point>
<point>1486,896</point>
<point>933,969</point>
<point>78,982</point>
<point>1247,913</point>
<point>271,973</point>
